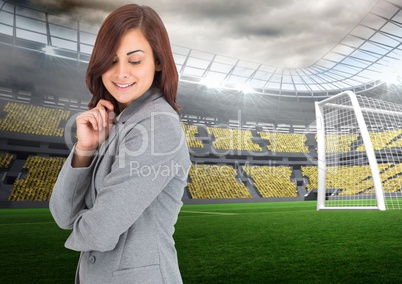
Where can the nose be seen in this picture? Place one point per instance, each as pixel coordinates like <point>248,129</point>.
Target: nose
<point>121,71</point>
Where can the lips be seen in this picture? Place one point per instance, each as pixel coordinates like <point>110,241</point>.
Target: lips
<point>124,86</point>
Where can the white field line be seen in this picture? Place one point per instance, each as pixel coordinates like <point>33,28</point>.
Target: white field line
<point>209,213</point>
<point>244,213</point>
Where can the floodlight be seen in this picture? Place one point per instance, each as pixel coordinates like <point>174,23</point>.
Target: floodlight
<point>211,82</point>
<point>49,50</point>
<point>245,88</point>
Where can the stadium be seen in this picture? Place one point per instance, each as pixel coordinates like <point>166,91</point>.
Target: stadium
<point>254,135</point>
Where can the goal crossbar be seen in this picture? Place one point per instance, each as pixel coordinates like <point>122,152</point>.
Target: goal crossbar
<point>379,111</point>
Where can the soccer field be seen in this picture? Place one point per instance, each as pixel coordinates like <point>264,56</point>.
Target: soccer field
<point>277,242</point>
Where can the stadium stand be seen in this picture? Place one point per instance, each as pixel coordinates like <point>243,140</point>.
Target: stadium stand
<point>233,139</point>
<point>392,177</point>
<point>5,160</point>
<point>391,185</point>
<point>285,142</point>
<point>341,179</point>
<point>33,175</point>
<point>397,142</point>
<point>343,143</point>
<point>272,181</point>
<point>384,139</point>
<point>41,176</point>
<point>190,132</point>
<point>214,181</point>
<point>32,119</point>
<point>339,143</point>
<point>311,173</point>
<point>206,181</point>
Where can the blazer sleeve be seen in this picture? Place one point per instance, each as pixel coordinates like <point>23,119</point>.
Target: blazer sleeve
<point>67,199</point>
<point>135,180</point>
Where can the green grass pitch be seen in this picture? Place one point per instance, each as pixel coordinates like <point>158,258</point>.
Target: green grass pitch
<point>277,242</point>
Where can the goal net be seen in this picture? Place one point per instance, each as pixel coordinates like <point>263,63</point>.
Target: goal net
<point>359,146</point>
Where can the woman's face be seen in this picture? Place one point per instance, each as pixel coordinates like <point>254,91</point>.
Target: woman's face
<point>133,69</point>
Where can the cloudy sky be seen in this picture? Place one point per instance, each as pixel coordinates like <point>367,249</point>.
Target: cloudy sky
<point>284,33</point>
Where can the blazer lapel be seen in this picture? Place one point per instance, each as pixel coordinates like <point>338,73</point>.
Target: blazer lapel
<point>118,128</point>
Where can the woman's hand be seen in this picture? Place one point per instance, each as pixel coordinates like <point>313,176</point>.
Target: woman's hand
<point>93,126</point>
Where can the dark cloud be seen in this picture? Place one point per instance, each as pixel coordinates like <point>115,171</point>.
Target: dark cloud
<point>91,11</point>
<point>285,33</point>
<point>67,7</point>
<point>282,33</point>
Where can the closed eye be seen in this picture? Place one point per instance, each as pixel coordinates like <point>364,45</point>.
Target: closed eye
<point>135,62</point>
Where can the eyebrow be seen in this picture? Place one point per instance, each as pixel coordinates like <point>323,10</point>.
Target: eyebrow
<point>134,51</point>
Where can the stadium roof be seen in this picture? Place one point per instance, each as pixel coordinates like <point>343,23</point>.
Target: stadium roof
<point>366,56</point>
<point>370,53</point>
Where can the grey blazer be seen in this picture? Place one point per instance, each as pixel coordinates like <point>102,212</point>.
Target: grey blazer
<point>123,207</point>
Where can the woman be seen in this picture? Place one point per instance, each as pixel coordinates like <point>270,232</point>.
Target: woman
<point>121,186</point>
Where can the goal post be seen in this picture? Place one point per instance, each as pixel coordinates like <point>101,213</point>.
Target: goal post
<point>359,153</point>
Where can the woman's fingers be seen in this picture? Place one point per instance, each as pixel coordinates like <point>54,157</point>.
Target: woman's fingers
<point>105,108</point>
<point>103,119</point>
<point>93,125</point>
<point>106,104</point>
<point>91,117</point>
<point>98,118</point>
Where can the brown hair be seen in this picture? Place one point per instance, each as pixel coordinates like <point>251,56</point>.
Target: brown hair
<point>128,17</point>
